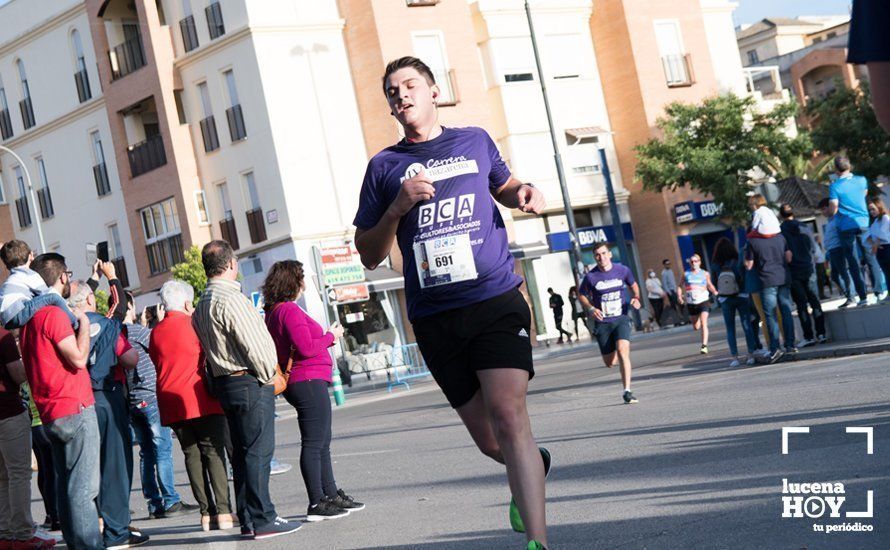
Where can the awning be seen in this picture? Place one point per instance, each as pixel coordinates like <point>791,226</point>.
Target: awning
<point>585,132</point>
<point>384,278</point>
<point>529,250</point>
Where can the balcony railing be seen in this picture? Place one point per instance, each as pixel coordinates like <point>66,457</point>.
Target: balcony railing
<point>257,225</point>
<point>100,175</point>
<point>448,86</point>
<point>237,131</point>
<point>678,70</point>
<point>27,113</point>
<point>189,33</point>
<point>215,20</point>
<point>146,155</point>
<point>163,254</point>
<point>120,267</point>
<point>82,82</point>
<point>229,233</point>
<point>5,124</point>
<point>208,132</point>
<point>45,200</point>
<point>23,209</point>
<point>127,57</point>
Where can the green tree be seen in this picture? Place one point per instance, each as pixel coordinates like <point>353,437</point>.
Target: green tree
<point>803,166</point>
<point>191,271</point>
<point>101,302</point>
<point>845,122</point>
<point>711,146</point>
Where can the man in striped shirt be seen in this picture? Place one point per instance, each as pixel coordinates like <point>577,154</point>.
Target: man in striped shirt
<point>241,357</point>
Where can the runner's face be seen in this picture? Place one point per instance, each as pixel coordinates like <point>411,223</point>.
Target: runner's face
<point>603,256</point>
<point>411,98</point>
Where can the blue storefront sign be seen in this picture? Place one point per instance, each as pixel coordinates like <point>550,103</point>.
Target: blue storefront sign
<point>587,237</point>
<point>691,211</point>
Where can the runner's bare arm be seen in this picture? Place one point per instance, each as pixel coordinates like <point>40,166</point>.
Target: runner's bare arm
<point>711,288</point>
<point>635,300</point>
<point>374,244</point>
<point>681,295</point>
<point>525,197</point>
<point>587,305</point>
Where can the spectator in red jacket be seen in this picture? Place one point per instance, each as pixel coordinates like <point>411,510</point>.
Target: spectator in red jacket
<point>187,407</point>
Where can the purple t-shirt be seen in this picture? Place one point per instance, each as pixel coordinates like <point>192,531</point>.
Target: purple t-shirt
<point>605,290</point>
<point>454,246</point>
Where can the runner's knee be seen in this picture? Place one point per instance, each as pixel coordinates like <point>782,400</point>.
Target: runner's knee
<point>509,419</point>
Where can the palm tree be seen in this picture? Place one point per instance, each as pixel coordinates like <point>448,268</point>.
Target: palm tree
<point>810,168</point>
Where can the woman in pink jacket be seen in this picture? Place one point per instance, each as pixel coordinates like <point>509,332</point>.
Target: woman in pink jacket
<point>297,336</point>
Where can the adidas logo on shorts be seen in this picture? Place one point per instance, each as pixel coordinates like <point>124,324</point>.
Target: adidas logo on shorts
<point>523,333</point>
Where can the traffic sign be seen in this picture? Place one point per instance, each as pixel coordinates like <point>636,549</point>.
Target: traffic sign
<point>352,293</point>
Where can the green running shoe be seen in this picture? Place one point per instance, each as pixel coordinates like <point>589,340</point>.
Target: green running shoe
<point>535,545</point>
<point>515,519</point>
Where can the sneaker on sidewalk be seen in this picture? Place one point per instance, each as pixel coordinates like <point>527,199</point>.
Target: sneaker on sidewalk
<point>175,510</point>
<point>132,542</point>
<point>247,531</point>
<point>750,360</point>
<point>629,398</point>
<point>865,303</point>
<point>325,509</point>
<point>515,519</point>
<point>734,363</point>
<point>704,350</point>
<point>276,467</point>
<point>848,302</point>
<point>277,528</point>
<point>776,356</point>
<point>882,296</point>
<point>822,339</point>
<point>805,343</point>
<point>347,502</point>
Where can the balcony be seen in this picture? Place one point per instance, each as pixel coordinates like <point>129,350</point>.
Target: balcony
<point>23,209</point>
<point>100,176</point>
<point>257,225</point>
<point>27,113</point>
<point>127,57</point>
<point>215,21</point>
<point>208,132</point>
<point>164,254</point>
<point>5,124</point>
<point>146,155</point>
<point>120,267</point>
<point>189,33</point>
<point>678,70</point>
<point>82,82</point>
<point>237,131</point>
<point>229,233</point>
<point>45,200</point>
<point>447,82</point>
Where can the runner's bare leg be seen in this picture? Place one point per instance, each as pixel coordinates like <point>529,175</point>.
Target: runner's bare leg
<point>624,358</point>
<point>475,417</point>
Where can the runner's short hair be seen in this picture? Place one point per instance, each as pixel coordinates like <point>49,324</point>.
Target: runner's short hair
<point>601,244</point>
<point>406,62</point>
<point>15,253</point>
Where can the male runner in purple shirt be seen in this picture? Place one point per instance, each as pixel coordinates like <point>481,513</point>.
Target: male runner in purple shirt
<point>434,193</point>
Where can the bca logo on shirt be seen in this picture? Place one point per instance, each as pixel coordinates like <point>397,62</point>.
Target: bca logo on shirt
<point>446,210</point>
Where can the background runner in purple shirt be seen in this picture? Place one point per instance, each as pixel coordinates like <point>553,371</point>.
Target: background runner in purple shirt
<point>605,290</point>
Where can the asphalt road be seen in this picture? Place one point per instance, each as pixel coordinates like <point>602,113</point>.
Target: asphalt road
<point>696,464</point>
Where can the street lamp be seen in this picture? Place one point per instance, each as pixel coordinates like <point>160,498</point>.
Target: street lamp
<point>32,195</point>
<point>575,252</point>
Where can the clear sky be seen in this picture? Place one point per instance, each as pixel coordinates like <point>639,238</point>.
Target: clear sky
<point>750,11</point>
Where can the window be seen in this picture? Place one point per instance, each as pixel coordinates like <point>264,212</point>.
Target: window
<point>201,206</point>
<point>430,47</point>
<point>753,58</point>
<point>187,27</point>
<point>81,79</point>
<point>208,124</point>
<point>180,108</point>
<point>215,24</point>
<point>674,59</point>
<point>224,201</point>
<point>163,239</point>
<point>561,59</point>
<point>227,224</point>
<point>25,105</point>
<point>100,171</point>
<point>515,59</point>
<point>255,222</point>
<point>253,195</point>
<point>234,115</point>
<point>5,120</point>
<point>44,198</point>
<point>23,209</point>
<point>115,250</point>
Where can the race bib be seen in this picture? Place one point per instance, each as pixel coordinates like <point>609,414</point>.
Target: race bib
<point>612,304</point>
<point>445,260</point>
<point>697,295</point>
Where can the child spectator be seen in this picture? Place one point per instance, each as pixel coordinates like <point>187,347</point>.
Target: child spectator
<point>24,292</point>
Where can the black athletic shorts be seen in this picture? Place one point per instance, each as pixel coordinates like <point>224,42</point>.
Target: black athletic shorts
<point>491,334</point>
<point>608,333</point>
<point>697,309</point>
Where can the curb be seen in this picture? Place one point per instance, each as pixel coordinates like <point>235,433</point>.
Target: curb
<point>835,353</point>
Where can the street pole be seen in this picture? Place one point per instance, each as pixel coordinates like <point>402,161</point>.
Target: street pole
<point>339,394</point>
<point>575,252</point>
<point>626,256</point>
<point>31,194</point>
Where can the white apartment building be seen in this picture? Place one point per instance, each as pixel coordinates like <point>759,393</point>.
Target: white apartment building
<point>52,114</point>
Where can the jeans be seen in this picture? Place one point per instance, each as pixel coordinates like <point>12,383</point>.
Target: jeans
<point>558,321</point>
<point>250,409</point>
<point>731,305</point>
<point>203,442</point>
<point>15,478</point>
<point>657,308</point>
<point>30,307</point>
<point>839,272</point>
<point>155,458</point>
<point>75,441</point>
<point>804,293</point>
<point>850,248</point>
<point>878,281</point>
<point>781,296</point>
<point>883,257</point>
<point>46,473</point>
<point>313,405</point>
<point>116,465</point>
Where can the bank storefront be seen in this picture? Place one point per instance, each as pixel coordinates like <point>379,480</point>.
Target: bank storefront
<point>698,228</point>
